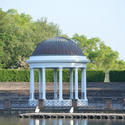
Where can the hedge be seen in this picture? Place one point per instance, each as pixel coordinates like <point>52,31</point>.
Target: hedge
<point>117,76</point>
<point>14,75</point>
<point>95,76</point>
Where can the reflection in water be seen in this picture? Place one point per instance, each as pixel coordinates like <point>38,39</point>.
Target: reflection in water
<point>37,122</point>
<point>84,122</point>
<point>57,122</point>
<point>76,122</point>
<point>60,122</point>
<point>17,121</point>
<point>31,122</point>
<point>71,122</point>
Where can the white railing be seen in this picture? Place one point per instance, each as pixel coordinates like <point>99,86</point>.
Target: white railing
<point>82,103</point>
<point>58,103</point>
<point>33,103</point>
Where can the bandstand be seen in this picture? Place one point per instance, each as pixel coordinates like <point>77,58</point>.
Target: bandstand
<point>58,53</point>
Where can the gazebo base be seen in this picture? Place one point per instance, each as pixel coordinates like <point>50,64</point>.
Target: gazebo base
<point>33,102</point>
<point>60,103</point>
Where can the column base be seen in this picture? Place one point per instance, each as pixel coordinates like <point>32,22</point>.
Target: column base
<point>33,102</point>
<point>71,95</point>
<point>86,99</point>
<point>55,96</point>
<point>60,99</point>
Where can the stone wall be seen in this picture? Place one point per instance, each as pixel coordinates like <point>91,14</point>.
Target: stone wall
<point>97,93</point>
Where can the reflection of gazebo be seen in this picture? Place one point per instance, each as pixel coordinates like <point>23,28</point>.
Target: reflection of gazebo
<point>58,53</point>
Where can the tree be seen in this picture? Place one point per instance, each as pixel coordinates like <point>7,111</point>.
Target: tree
<point>101,56</point>
<point>109,58</point>
<point>19,35</point>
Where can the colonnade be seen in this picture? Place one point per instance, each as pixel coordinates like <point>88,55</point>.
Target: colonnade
<point>42,83</point>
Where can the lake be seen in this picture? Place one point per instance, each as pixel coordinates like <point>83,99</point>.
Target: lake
<point>18,121</point>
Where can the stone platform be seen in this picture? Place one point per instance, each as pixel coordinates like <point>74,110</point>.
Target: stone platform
<point>74,115</point>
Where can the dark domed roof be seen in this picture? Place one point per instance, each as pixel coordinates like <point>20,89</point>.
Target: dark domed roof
<point>57,46</point>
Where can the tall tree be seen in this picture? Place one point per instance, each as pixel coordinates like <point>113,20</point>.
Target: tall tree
<point>101,56</point>
<point>19,35</point>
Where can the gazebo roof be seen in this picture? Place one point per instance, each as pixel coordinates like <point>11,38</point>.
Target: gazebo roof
<point>57,46</point>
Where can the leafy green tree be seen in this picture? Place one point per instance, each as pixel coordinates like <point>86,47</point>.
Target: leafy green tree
<point>119,65</point>
<point>19,35</point>
<point>101,56</point>
<point>109,58</point>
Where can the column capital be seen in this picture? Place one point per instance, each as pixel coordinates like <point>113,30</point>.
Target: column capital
<point>60,67</point>
<point>83,68</point>
<point>31,68</point>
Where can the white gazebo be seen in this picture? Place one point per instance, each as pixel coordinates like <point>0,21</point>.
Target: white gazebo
<point>58,53</point>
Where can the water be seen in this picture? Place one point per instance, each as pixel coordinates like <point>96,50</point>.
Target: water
<point>17,121</point>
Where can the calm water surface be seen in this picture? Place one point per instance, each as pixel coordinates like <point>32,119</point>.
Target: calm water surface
<point>17,121</point>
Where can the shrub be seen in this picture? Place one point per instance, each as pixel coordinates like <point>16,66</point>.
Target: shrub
<point>15,75</point>
<point>117,76</point>
<point>95,76</point>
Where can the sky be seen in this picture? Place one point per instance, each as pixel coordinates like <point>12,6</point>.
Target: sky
<point>94,18</point>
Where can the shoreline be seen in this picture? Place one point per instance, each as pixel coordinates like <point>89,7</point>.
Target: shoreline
<point>74,115</point>
<point>20,111</point>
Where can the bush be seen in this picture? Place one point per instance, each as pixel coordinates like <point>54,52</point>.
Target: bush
<point>95,76</point>
<point>7,75</point>
<point>117,76</point>
<point>14,75</point>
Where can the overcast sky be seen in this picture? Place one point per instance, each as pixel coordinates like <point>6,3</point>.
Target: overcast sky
<point>94,18</point>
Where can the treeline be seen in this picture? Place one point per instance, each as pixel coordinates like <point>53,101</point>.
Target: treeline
<point>19,35</point>
<point>101,56</point>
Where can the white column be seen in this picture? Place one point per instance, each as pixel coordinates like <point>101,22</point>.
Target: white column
<point>31,84</point>
<point>71,83</point>
<point>55,83</point>
<point>76,83</point>
<point>40,84</point>
<point>44,83</point>
<point>60,83</point>
<point>84,82</point>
